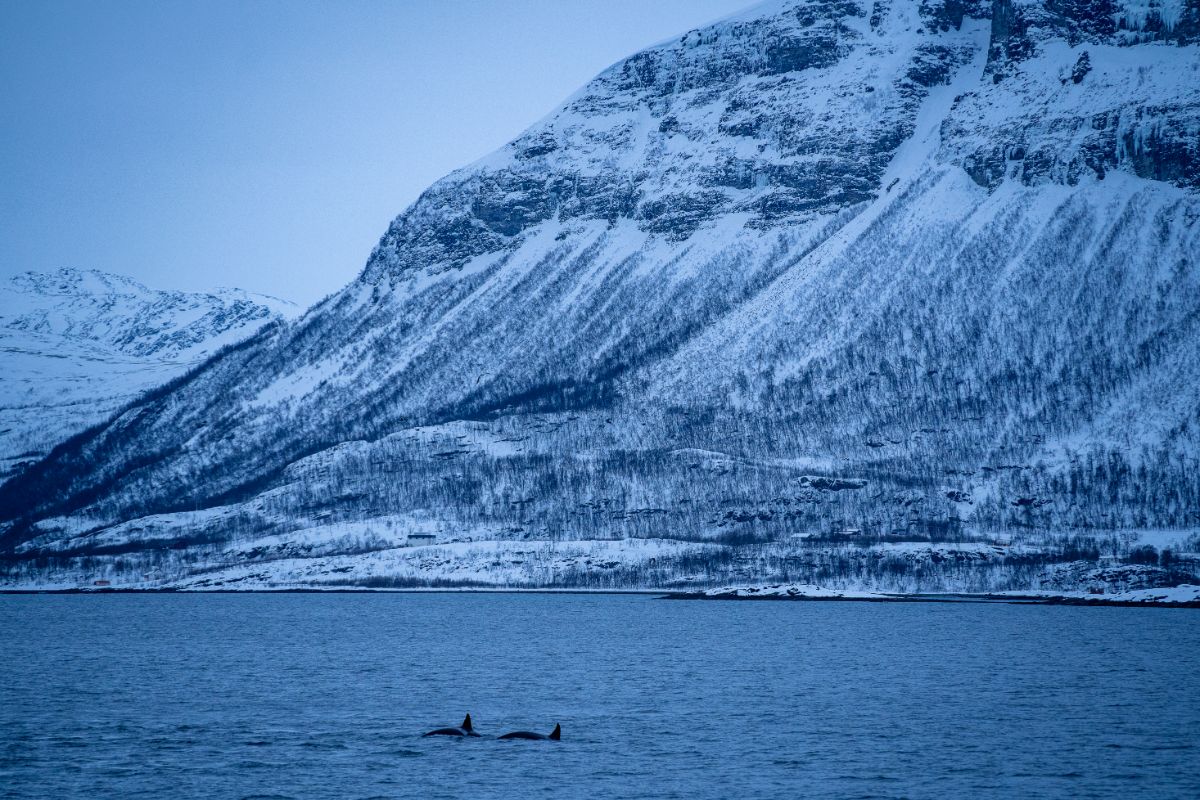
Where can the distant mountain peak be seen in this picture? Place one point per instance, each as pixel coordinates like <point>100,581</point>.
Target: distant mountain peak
<point>77,344</point>
<point>106,309</point>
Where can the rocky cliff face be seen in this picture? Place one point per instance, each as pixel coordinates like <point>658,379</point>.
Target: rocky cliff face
<point>779,116</point>
<point>913,272</point>
<point>1079,89</point>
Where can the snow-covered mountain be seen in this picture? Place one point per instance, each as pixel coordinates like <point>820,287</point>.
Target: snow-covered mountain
<point>77,345</point>
<point>879,294</point>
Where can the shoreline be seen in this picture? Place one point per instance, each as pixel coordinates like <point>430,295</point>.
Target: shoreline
<point>973,599</point>
<point>333,590</point>
<point>659,594</point>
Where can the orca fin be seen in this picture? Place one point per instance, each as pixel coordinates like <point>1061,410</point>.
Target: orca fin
<point>557,734</point>
<point>466,726</point>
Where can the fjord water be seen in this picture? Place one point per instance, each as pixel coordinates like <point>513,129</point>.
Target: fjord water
<point>325,696</point>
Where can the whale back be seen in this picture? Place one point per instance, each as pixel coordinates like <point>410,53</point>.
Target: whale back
<point>445,732</point>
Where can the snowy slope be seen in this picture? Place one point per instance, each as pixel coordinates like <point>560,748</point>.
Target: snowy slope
<point>814,282</point>
<point>78,345</point>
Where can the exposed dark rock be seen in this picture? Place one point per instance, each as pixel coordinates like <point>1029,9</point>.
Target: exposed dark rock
<point>1082,67</point>
<point>832,484</point>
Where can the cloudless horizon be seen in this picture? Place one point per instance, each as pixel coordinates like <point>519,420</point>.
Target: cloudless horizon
<point>267,145</point>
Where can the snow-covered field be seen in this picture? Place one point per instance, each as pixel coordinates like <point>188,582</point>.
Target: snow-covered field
<point>400,553</point>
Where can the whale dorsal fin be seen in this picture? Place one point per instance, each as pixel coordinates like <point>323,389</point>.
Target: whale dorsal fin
<point>466,726</point>
<point>557,733</point>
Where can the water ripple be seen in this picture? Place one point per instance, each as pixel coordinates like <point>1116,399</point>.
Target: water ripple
<point>299,696</point>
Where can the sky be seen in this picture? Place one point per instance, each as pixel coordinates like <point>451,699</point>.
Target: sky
<point>266,145</point>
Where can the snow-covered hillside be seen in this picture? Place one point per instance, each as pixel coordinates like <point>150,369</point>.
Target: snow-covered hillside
<point>77,345</point>
<point>881,295</point>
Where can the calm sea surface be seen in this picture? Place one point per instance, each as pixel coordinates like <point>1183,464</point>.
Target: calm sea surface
<point>325,696</point>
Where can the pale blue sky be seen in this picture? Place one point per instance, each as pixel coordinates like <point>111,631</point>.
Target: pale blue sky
<point>267,144</point>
